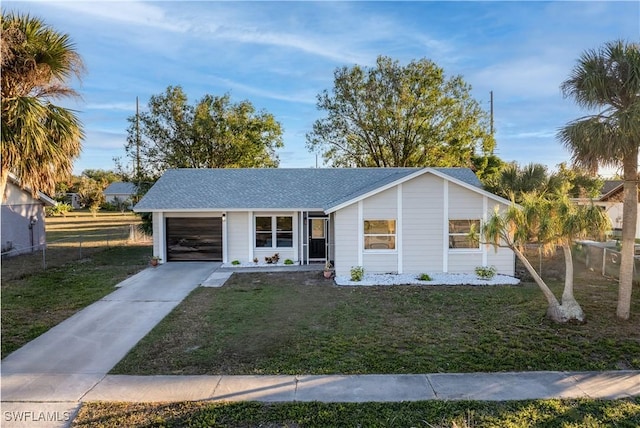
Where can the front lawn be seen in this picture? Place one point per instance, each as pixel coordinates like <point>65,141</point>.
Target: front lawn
<point>298,323</point>
<point>33,303</point>
<point>431,414</point>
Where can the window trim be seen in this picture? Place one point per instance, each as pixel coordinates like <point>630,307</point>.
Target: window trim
<point>274,231</point>
<point>380,250</point>
<point>450,234</point>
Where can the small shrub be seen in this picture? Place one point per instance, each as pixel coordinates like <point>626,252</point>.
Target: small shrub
<point>357,273</point>
<point>288,262</point>
<point>58,209</point>
<point>424,277</point>
<point>235,262</point>
<point>486,272</point>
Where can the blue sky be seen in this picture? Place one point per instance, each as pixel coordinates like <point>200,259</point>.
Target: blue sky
<point>280,55</point>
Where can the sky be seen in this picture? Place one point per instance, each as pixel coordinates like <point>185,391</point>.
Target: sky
<point>281,55</point>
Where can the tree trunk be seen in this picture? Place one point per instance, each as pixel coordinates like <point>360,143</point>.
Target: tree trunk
<point>553,304</point>
<point>629,218</point>
<point>3,183</point>
<point>570,307</point>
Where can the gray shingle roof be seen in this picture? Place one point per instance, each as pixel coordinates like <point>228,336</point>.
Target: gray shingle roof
<point>120,188</point>
<point>273,188</point>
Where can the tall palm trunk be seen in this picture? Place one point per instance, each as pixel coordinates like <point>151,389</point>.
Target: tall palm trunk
<point>629,215</point>
<point>4,176</point>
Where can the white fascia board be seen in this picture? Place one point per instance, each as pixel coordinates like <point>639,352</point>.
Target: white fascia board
<point>470,187</point>
<point>217,210</point>
<point>412,176</point>
<point>375,191</point>
<point>41,196</point>
<point>47,200</point>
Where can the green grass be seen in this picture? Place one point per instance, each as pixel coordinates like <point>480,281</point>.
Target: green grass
<point>33,303</point>
<point>296,323</point>
<point>431,414</point>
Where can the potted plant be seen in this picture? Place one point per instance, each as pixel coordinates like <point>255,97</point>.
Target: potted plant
<point>328,269</point>
<point>154,260</point>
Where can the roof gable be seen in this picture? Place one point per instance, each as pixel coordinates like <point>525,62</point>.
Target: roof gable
<point>276,188</point>
<point>120,188</point>
<point>14,181</point>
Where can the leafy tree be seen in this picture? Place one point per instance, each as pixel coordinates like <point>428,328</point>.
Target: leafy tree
<point>395,116</point>
<point>609,79</point>
<point>549,222</point>
<point>91,194</point>
<point>40,140</point>
<point>212,133</point>
<point>102,175</point>
<point>514,181</point>
<point>575,182</point>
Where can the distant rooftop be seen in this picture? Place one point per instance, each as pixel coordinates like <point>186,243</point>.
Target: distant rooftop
<point>120,188</point>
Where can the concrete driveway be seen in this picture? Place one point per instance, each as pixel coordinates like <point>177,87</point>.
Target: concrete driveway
<point>72,357</point>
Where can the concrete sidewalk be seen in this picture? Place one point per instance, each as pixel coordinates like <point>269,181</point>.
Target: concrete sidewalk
<point>364,388</point>
<point>54,409</point>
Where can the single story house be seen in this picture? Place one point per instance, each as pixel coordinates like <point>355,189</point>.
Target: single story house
<point>120,191</point>
<point>23,219</point>
<point>611,201</point>
<point>399,220</point>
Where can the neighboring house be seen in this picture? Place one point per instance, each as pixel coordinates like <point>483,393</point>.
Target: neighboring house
<point>73,199</point>
<point>119,192</point>
<point>610,200</point>
<point>400,220</point>
<point>23,219</point>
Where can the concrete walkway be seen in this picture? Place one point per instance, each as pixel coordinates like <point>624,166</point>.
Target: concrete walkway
<point>45,382</point>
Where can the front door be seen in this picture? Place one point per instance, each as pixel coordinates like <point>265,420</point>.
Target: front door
<point>318,239</point>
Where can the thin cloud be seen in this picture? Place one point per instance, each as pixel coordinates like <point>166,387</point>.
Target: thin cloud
<point>296,98</point>
<point>126,13</point>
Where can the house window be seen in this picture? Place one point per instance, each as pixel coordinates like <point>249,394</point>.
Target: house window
<point>379,234</point>
<point>272,230</point>
<point>461,234</point>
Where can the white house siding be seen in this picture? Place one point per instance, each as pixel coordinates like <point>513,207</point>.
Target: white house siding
<point>159,240</point>
<point>504,260</point>
<point>422,238</point>
<point>18,207</point>
<point>382,206</point>
<point>464,204</point>
<point>346,240</point>
<point>237,236</point>
<point>422,230</point>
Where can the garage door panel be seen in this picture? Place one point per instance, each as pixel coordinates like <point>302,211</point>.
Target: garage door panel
<point>190,239</point>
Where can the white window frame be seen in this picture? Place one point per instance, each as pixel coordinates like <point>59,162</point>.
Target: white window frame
<point>394,235</point>
<point>274,231</point>
<point>450,234</point>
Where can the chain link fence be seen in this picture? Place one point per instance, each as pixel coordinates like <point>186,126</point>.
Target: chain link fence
<point>604,258</point>
<point>16,263</point>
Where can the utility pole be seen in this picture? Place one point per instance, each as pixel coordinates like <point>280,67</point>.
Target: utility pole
<point>491,103</point>
<point>137,142</point>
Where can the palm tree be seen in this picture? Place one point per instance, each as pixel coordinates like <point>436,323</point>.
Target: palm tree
<point>40,140</point>
<point>609,79</point>
<point>548,221</point>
